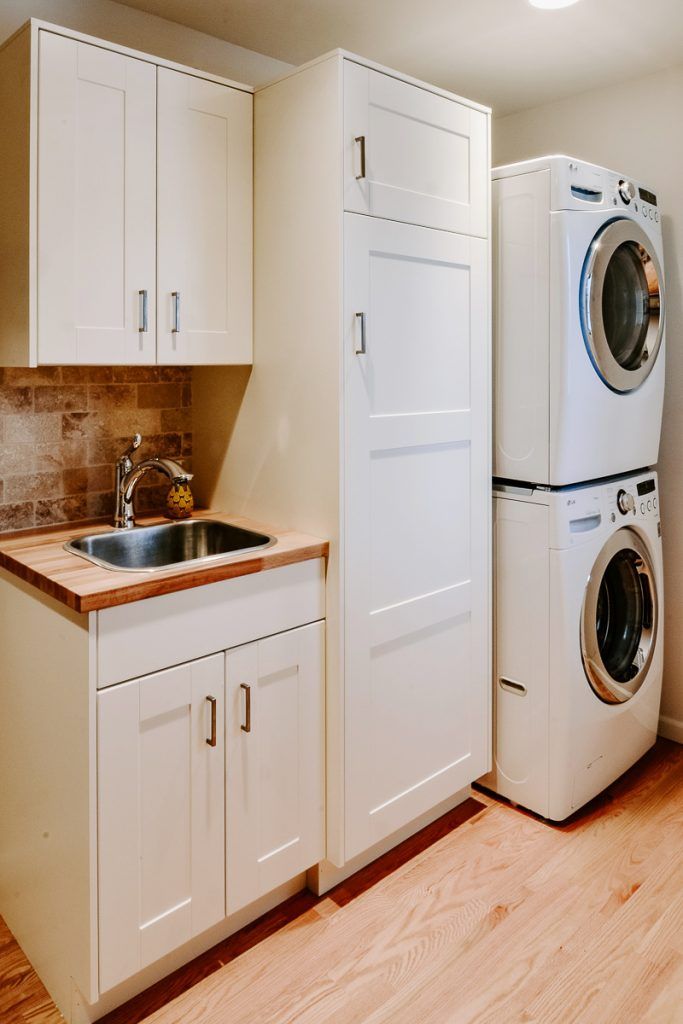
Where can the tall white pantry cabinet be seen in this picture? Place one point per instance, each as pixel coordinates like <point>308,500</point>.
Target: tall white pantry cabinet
<point>367,420</point>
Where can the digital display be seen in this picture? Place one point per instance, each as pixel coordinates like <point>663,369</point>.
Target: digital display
<point>647,197</point>
<point>646,487</point>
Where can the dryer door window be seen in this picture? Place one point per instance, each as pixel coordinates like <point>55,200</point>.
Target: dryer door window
<point>619,618</point>
<point>622,305</point>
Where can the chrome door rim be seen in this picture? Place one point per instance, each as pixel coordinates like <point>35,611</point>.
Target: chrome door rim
<point>602,249</point>
<point>602,683</point>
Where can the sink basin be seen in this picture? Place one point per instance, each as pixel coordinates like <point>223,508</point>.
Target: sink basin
<point>168,545</point>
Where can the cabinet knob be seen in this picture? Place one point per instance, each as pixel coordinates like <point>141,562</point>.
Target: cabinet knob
<point>175,329</point>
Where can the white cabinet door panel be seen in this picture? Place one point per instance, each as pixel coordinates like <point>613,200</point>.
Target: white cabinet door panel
<point>204,221</point>
<point>425,156</point>
<point>160,815</point>
<point>417,521</point>
<point>275,773</point>
<point>96,202</point>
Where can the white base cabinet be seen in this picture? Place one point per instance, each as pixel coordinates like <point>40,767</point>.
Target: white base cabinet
<point>161,827</point>
<point>113,855</point>
<point>275,761</point>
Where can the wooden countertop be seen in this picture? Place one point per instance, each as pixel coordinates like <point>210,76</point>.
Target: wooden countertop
<point>38,557</point>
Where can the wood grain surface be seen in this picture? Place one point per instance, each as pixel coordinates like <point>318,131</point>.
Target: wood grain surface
<point>38,557</point>
<point>489,915</point>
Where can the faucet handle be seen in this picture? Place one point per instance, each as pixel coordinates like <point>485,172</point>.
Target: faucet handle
<point>133,446</point>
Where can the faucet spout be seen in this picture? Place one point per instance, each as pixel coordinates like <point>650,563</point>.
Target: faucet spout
<point>128,477</point>
<point>171,469</point>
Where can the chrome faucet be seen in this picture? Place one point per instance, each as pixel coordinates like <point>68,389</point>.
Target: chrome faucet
<point>129,475</point>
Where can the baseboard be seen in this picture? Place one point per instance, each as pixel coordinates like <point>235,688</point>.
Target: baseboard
<point>670,729</point>
<point>325,876</point>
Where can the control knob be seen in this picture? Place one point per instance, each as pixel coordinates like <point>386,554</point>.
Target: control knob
<point>625,502</point>
<point>627,191</point>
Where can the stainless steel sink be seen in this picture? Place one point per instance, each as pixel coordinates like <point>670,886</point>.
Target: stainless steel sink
<point>168,545</point>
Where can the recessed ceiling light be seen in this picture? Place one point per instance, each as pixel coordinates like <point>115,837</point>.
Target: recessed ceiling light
<point>552,5</point>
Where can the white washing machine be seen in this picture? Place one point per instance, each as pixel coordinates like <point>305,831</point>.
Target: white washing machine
<point>578,638</point>
<point>578,322</point>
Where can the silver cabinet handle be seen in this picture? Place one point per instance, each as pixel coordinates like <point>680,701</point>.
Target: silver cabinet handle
<point>176,313</point>
<point>363,334</point>
<point>247,715</point>
<point>360,139</point>
<point>144,305</point>
<point>212,738</point>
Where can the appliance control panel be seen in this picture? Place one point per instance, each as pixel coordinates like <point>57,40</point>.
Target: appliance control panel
<point>633,498</point>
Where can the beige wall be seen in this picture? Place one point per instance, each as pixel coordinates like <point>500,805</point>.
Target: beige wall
<point>145,32</point>
<point>634,127</point>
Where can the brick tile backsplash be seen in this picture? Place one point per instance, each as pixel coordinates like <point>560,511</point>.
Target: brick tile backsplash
<point>63,427</point>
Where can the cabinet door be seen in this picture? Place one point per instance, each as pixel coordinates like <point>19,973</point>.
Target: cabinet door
<point>161,824</point>
<point>411,155</point>
<point>96,205</point>
<point>275,744</point>
<point>205,221</point>
<point>417,521</point>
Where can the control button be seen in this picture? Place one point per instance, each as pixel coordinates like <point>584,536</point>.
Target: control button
<point>649,506</point>
<point>613,518</point>
<point>657,216</point>
<point>645,211</point>
<point>625,502</point>
<point>654,502</point>
<point>642,507</point>
<point>650,213</point>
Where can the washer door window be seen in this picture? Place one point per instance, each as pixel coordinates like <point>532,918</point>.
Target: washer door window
<point>619,618</point>
<point>622,305</point>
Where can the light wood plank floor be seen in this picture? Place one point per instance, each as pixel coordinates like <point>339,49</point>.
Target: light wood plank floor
<point>489,916</point>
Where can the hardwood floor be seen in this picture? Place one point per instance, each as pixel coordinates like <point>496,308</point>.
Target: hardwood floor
<point>490,916</point>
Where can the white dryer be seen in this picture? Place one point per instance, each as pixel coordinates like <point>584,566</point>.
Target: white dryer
<point>578,639</point>
<point>578,322</point>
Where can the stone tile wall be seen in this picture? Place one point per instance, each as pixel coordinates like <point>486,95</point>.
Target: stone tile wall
<point>63,427</point>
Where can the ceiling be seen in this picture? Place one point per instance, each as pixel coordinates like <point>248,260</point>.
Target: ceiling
<point>504,53</point>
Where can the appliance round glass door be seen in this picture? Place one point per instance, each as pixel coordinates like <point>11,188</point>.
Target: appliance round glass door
<point>622,304</point>
<point>619,618</point>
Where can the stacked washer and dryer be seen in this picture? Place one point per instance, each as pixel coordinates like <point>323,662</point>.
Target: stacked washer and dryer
<point>579,384</point>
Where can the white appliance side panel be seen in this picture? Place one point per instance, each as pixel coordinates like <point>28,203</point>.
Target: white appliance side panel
<point>97,204</point>
<point>417,522</point>
<point>426,158</point>
<point>521,625</point>
<point>205,221</point>
<point>521,311</point>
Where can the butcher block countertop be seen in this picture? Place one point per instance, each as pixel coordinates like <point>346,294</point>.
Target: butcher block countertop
<point>38,557</point>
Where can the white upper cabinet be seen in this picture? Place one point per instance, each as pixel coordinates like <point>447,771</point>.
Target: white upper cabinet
<point>205,221</point>
<point>413,155</point>
<point>161,826</point>
<point>125,207</point>
<point>96,202</point>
